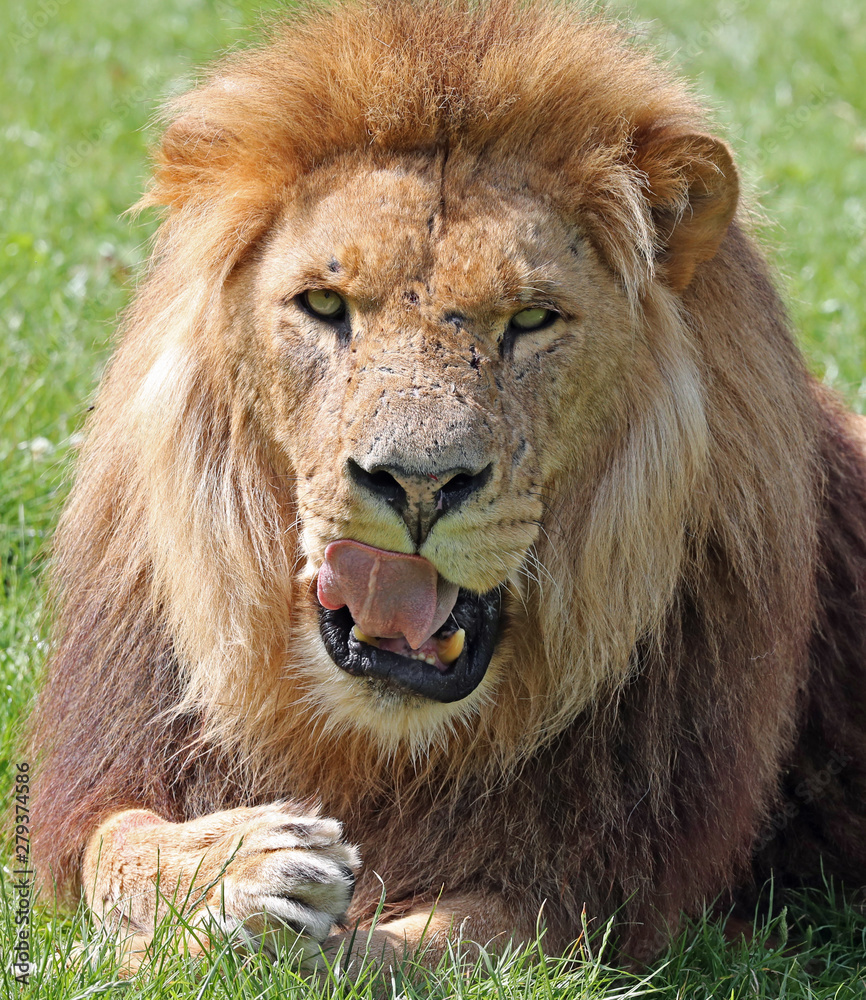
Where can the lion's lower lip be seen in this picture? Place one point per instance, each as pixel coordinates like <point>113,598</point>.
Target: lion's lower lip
<point>478,614</point>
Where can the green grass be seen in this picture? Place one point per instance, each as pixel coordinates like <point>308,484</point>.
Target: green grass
<point>80,84</point>
<point>812,949</point>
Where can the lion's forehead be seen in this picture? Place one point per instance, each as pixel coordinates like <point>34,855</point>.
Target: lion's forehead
<point>463,245</point>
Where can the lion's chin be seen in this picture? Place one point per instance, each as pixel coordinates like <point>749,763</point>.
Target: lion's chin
<point>479,615</point>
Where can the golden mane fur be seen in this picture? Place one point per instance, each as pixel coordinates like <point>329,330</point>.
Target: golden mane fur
<point>683,536</point>
<point>229,161</point>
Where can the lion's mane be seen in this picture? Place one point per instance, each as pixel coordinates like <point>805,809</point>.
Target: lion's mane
<point>660,648</point>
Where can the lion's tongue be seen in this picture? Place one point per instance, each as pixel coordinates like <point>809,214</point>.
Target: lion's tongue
<point>388,594</point>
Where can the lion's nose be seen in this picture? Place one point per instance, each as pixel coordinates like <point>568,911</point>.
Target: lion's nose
<point>420,496</point>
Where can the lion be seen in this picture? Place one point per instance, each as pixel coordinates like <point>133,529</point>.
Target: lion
<point>459,533</point>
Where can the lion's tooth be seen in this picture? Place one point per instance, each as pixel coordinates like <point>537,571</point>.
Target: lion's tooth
<point>449,649</point>
<point>363,637</point>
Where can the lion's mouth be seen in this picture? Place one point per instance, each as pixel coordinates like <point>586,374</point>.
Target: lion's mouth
<point>363,590</point>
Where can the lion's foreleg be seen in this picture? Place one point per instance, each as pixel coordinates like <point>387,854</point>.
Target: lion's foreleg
<point>269,876</point>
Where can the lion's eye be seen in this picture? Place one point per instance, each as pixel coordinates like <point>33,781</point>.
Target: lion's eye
<point>532,319</point>
<point>324,303</point>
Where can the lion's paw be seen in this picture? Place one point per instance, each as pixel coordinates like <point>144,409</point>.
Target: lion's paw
<point>289,879</point>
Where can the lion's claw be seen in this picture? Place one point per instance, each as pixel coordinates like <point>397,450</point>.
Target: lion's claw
<point>288,877</point>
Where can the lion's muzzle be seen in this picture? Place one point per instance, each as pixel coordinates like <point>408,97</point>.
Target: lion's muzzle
<point>420,497</point>
<point>391,617</point>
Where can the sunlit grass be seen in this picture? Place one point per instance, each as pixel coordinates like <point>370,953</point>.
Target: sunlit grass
<point>813,948</point>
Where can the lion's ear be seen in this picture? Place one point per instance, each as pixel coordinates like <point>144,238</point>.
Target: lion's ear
<point>189,162</point>
<point>217,174</point>
<point>215,149</point>
<point>693,190</point>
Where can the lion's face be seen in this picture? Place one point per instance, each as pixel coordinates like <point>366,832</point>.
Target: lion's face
<point>433,366</point>
<point>419,353</point>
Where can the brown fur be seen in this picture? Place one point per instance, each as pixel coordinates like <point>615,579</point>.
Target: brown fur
<point>678,511</point>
